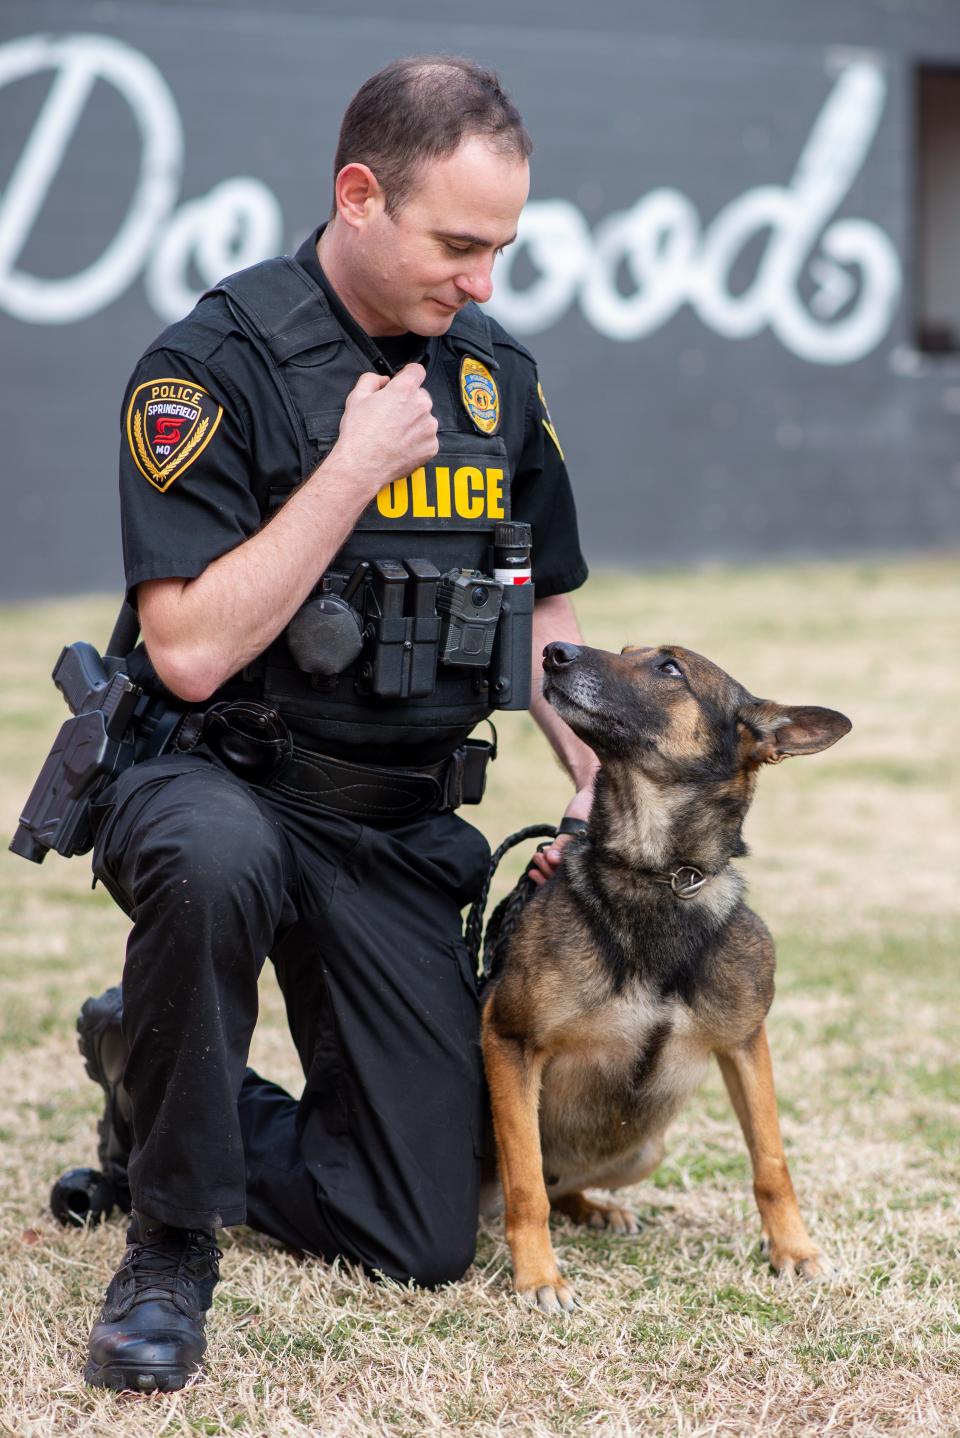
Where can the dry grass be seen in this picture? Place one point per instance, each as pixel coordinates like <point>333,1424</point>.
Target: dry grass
<point>684,1331</point>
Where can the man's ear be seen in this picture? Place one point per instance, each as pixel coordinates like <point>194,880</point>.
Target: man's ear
<point>782,730</point>
<point>357,192</point>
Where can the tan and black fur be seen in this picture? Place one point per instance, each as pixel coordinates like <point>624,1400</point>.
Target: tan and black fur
<point>616,990</point>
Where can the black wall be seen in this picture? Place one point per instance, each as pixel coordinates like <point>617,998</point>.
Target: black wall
<point>718,273</point>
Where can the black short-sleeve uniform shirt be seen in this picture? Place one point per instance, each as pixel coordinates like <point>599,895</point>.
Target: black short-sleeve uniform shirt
<point>213,496</point>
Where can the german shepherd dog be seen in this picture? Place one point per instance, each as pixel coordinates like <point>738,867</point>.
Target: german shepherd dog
<point>639,958</point>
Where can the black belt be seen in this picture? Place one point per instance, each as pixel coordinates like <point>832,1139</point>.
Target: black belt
<point>369,791</point>
<point>253,741</point>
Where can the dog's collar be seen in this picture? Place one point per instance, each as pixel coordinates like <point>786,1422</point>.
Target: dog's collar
<point>686,880</point>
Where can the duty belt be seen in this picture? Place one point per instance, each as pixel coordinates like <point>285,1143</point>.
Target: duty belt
<point>253,741</point>
<point>368,791</point>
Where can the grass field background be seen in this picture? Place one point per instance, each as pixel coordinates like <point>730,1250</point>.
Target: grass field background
<point>683,1330</point>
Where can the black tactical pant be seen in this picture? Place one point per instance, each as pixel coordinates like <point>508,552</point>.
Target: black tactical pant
<point>379,1159</point>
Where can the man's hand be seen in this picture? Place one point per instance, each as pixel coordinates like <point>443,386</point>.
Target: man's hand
<point>546,862</point>
<point>388,427</point>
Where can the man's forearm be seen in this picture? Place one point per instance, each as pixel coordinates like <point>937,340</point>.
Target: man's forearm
<point>202,630</point>
<point>553,618</point>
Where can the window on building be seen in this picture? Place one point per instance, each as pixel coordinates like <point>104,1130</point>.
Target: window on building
<point>938,212</point>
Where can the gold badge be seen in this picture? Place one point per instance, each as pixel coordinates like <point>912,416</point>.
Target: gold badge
<point>170,422</point>
<point>547,421</point>
<point>481,398</point>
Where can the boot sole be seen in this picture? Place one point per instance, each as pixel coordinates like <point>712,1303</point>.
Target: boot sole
<point>150,1379</point>
<point>94,1015</point>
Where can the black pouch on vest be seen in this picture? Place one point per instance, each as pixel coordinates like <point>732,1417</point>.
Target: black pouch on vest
<point>474,756</point>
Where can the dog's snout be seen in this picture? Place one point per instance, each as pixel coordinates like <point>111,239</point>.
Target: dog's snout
<point>559,655</point>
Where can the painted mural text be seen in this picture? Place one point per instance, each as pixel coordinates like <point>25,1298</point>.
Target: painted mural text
<point>850,267</point>
<point>826,287</point>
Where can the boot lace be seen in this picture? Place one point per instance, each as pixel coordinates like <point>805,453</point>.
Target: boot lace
<point>174,1271</point>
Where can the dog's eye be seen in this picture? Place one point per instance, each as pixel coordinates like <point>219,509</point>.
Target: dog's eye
<point>668,667</point>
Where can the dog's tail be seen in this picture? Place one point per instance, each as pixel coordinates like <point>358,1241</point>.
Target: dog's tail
<point>504,918</point>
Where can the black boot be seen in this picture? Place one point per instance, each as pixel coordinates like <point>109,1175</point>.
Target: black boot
<point>104,1051</point>
<point>149,1335</point>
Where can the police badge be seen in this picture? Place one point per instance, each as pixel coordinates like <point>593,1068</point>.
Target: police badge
<point>481,398</point>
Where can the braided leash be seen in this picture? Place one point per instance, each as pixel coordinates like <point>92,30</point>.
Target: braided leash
<point>495,937</point>
<point>504,918</point>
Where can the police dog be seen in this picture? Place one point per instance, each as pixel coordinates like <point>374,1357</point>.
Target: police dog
<point>639,958</point>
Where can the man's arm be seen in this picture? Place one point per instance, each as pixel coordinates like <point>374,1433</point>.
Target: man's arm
<point>553,618</point>
<point>198,632</point>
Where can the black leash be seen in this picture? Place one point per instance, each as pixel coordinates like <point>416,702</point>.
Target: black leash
<point>504,918</point>
<point>493,939</point>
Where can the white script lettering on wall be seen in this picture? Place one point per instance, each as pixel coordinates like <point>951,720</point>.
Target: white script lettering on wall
<point>849,268</point>
<point>237,223</point>
<point>673,260</point>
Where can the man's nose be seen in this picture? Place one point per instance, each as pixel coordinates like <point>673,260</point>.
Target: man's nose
<point>477,281</point>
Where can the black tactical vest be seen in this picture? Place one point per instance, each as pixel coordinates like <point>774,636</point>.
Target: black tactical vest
<point>443,513</point>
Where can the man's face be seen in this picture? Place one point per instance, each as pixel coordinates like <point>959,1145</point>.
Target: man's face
<point>423,264</point>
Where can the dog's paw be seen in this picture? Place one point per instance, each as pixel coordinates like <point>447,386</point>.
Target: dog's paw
<point>619,1220</point>
<point>550,1297</point>
<point>814,1266</point>
<point>593,1214</point>
<point>806,1261</point>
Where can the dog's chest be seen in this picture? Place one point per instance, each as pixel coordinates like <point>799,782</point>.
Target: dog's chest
<point>631,1063</point>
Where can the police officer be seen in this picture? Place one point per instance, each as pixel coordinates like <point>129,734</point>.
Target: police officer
<point>314,466</point>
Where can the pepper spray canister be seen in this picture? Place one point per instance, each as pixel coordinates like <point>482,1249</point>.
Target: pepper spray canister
<point>511,553</point>
<point>512,658</point>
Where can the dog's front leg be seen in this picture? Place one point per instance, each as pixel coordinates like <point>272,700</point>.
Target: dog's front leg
<point>513,1077</point>
<point>748,1074</point>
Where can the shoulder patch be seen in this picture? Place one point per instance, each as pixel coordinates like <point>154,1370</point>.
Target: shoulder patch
<point>481,398</point>
<point>547,421</point>
<point>169,424</point>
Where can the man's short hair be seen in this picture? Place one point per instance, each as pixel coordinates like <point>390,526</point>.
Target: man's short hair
<point>419,109</point>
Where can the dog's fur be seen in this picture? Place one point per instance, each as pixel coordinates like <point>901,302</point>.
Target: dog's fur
<point>616,990</point>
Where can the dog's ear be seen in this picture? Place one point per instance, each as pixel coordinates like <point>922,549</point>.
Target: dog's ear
<point>782,730</point>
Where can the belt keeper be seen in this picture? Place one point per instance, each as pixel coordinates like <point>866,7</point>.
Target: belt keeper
<point>453,781</point>
<point>189,731</point>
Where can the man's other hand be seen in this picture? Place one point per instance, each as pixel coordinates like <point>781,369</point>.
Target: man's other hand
<point>546,862</point>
